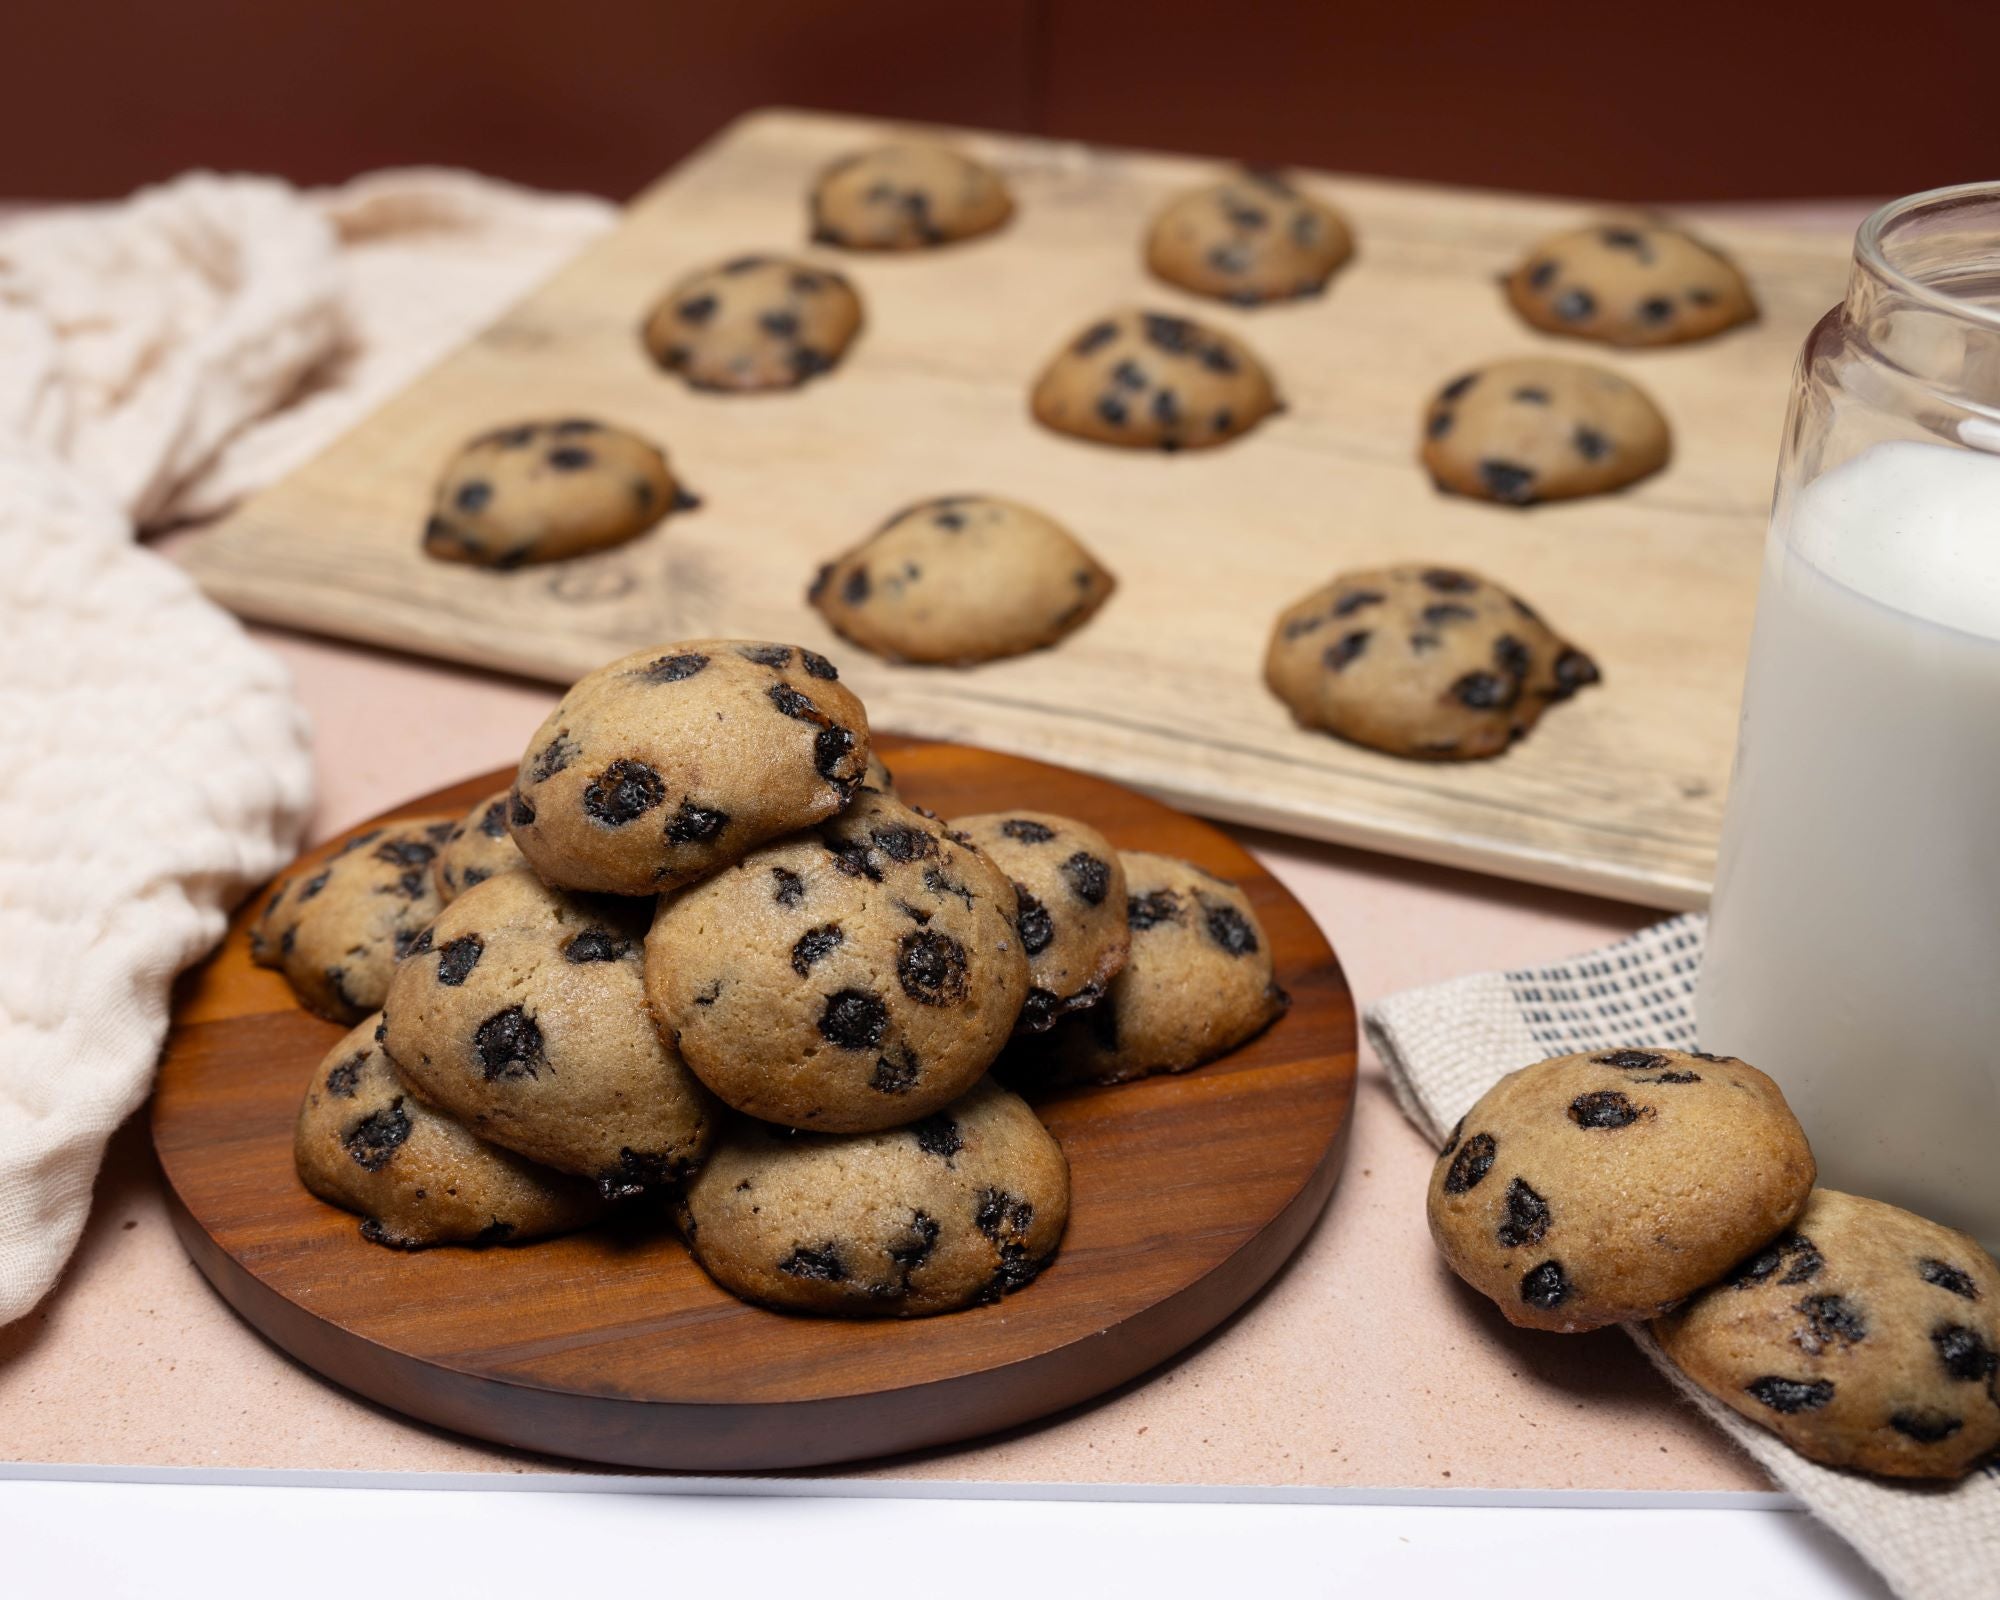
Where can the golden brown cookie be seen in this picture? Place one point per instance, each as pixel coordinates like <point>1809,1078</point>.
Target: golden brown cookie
<point>478,847</point>
<point>906,196</point>
<point>1600,1188</point>
<point>675,761</point>
<point>1629,283</point>
<point>1433,663</point>
<point>1250,239</point>
<point>336,930</point>
<point>1069,904</point>
<point>956,1210</point>
<point>522,1012</point>
<point>961,580</point>
<point>1197,982</point>
<point>754,323</point>
<point>1865,1337</point>
<point>1148,381</point>
<point>855,976</point>
<point>366,1143</point>
<point>545,491</point>
<point>1518,432</point>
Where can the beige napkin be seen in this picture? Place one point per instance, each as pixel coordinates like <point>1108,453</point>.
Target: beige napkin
<point>158,357</point>
<point>1446,1045</point>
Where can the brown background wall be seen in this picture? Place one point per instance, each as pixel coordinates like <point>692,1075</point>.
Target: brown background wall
<point>1675,99</point>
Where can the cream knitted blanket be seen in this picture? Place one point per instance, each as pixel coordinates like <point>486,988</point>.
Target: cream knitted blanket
<point>158,357</point>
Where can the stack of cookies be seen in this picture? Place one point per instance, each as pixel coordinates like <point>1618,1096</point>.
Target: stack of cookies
<point>701,950</point>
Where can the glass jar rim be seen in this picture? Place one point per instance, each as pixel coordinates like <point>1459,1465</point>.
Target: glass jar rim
<point>1870,247</point>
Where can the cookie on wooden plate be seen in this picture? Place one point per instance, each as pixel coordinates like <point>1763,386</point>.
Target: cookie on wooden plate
<point>1144,380</point>
<point>906,196</point>
<point>1250,239</point>
<point>754,323</point>
<point>1521,432</point>
<point>1630,283</point>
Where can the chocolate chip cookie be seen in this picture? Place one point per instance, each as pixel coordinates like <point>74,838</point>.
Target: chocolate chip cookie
<point>674,761</point>
<point>1602,1188</point>
<point>1069,904</point>
<point>1197,983</point>
<point>365,1143</point>
<point>961,580</point>
<point>522,1012</point>
<point>1433,663</point>
<point>856,976</point>
<point>479,847</point>
<point>1629,283</point>
<point>1518,432</point>
<point>1149,381</point>
<point>336,928</point>
<point>906,197</point>
<point>955,1210</point>
<point>754,323</point>
<point>1865,1337</point>
<point>1249,239</point>
<point>545,491</point>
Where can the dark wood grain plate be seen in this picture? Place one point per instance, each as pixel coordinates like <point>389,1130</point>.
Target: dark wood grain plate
<point>612,1346</point>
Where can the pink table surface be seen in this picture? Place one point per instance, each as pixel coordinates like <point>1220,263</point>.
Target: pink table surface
<point>1363,1364</point>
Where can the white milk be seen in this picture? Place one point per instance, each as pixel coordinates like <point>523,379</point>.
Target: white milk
<point>1854,952</point>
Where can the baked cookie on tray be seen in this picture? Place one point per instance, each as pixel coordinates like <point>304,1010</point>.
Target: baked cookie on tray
<point>1629,283</point>
<point>1145,380</point>
<point>672,762</point>
<point>1864,1337</point>
<point>952,1211</point>
<point>368,1144</point>
<point>1520,432</point>
<point>855,976</point>
<point>754,323</point>
<point>1069,904</point>
<point>960,580</point>
<point>545,491</point>
<point>1197,982</point>
<point>336,929</point>
<point>522,1012</point>
<point>1249,239</point>
<point>1431,663</point>
<point>478,847</point>
<point>910,196</point>
<point>1599,1188</point>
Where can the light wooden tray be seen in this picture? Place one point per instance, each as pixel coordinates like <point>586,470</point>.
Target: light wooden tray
<point>1619,791</point>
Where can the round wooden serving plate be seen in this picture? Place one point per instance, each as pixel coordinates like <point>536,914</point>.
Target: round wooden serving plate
<point>613,1346</point>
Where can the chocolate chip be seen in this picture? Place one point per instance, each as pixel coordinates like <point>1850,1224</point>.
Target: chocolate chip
<point>1789,1396</point>
<point>1444,611</point>
<point>345,1078</point>
<point>855,590</point>
<point>1926,1427</point>
<point>1089,879</point>
<point>569,458</point>
<point>1830,1319</point>
<point>901,842</point>
<point>1228,927</point>
<point>509,1045</point>
<point>1545,1287</point>
<point>1451,1144</point>
<point>1470,1166</point>
<point>854,1019</point>
<point>895,1077</point>
<point>932,968</point>
<point>1443,580</point>
<point>821,1264</point>
<point>767,655</point>
<point>1152,908</point>
<point>1439,425</point>
<point>938,1135</point>
<point>556,755</point>
<point>914,1248</point>
<point>1095,337</point>
<point>1948,1277</point>
<point>1965,1355</point>
<point>493,821</point>
<point>999,1212</point>
<point>1027,830</point>
<point>741,264</point>
<point>622,793</point>
<point>780,324</point>
<point>831,747</point>
<point>697,309</point>
<point>693,824</point>
<point>938,883</point>
<point>1575,304</point>
<point>1345,650</point>
<point>457,958</point>
<point>1508,481</point>
<point>1511,656</point>
<point>405,853</point>
<point>807,362</point>
<point>1527,1219</point>
<point>853,858</point>
<point>672,669</point>
<point>818,666</point>
<point>1623,239</point>
<point>1486,691</point>
<point>514,438</point>
<point>1032,918</point>
<point>1574,670</point>
<point>1175,335</point>
<point>1113,410</point>
<point>412,944</point>
<point>309,888</point>
<point>1656,310</point>
<point>814,945</point>
<point>1458,386</point>
<point>1223,420</point>
<point>1528,394</point>
<point>594,944</point>
<point>787,887</point>
<point>793,704</point>
<point>377,1136</point>
<point>1355,600</point>
<point>1604,1108</point>
<point>1630,1060</point>
<point>1541,274</point>
<point>473,496</point>
<point>1794,1252</point>
<point>640,1170</point>
<point>1590,444</point>
<point>1128,375</point>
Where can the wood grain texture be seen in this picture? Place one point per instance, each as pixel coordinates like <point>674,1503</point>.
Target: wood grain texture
<point>1619,792</point>
<point>1188,1194</point>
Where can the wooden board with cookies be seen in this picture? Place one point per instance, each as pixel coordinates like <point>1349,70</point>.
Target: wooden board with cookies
<point>1161,684</point>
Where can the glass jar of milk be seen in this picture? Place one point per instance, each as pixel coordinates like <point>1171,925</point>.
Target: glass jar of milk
<point>1854,941</point>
